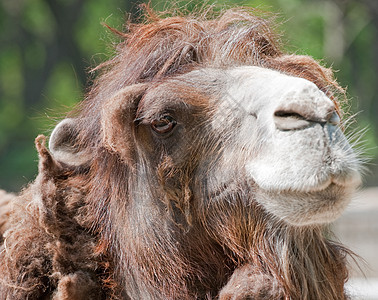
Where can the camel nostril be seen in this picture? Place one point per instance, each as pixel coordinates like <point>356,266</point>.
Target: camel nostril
<point>289,114</point>
<point>290,120</point>
<point>302,117</point>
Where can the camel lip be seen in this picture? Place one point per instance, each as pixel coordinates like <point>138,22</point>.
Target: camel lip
<point>333,182</point>
<point>327,186</point>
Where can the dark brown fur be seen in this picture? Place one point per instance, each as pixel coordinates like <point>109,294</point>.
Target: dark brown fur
<point>79,233</point>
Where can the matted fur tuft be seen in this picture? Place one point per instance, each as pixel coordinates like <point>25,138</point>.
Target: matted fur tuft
<point>46,246</point>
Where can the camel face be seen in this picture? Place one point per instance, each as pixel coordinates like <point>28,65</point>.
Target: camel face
<point>248,126</point>
<point>282,136</point>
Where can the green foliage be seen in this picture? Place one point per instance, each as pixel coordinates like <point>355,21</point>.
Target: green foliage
<point>38,20</point>
<point>45,45</point>
<point>62,85</point>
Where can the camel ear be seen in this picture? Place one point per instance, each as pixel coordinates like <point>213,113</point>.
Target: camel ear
<point>117,119</point>
<point>63,146</point>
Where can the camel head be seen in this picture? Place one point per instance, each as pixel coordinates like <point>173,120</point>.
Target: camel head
<point>277,135</point>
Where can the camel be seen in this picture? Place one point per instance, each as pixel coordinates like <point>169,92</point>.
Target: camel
<point>204,163</point>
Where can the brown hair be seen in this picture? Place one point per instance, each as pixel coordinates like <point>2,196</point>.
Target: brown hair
<point>173,262</point>
<point>307,265</point>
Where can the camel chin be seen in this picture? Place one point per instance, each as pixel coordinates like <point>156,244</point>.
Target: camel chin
<point>307,208</point>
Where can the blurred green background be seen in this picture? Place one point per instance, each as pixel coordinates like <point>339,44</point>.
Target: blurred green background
<point>47,48</point>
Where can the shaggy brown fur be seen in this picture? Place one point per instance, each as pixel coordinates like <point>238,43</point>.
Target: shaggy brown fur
<point>5,211</point>
<point>47,249</point>
<point>125,225</point>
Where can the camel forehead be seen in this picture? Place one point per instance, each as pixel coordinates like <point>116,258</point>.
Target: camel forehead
<point>247,84</point>
<point>253,90</point>
<point>248,87</point>
<point>245,78</point>
<point>257,76</point>
<point>253,83</point>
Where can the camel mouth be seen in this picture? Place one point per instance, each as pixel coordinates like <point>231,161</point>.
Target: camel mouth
<point>348,182</point>
<point>330,188</point>
<point>344,177</point>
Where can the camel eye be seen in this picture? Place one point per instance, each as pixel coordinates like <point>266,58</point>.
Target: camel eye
<point>163,125</point>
